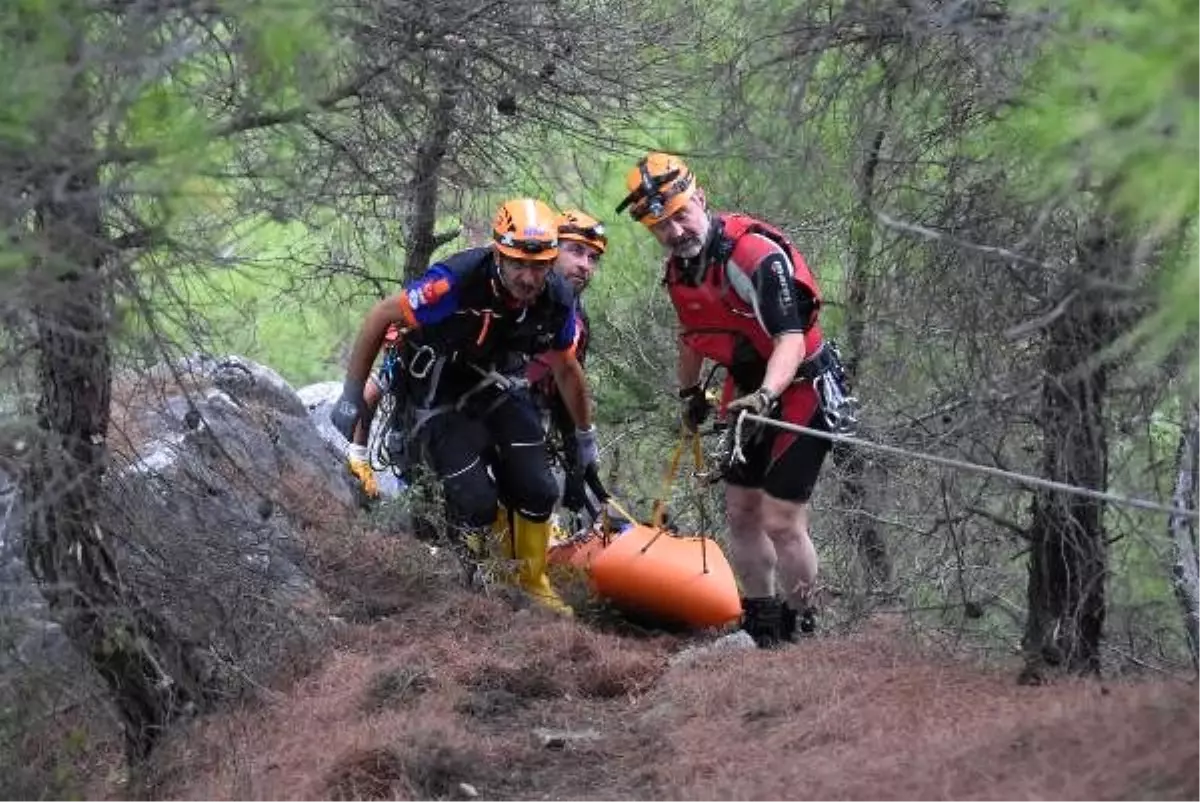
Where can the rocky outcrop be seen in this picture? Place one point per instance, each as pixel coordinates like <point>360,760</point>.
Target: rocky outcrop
<point>216,469</point>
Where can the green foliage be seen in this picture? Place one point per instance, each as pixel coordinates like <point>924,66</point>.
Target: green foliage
<point>37,71</point>
<point>1112,106</point>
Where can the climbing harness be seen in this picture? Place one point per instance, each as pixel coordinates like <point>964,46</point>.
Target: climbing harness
<point>405,421</point>
<point>827,373</point>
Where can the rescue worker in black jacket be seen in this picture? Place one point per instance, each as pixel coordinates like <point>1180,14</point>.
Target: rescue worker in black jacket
<point>464,322</point>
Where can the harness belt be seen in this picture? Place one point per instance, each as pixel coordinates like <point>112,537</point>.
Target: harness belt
<point>433,364</point>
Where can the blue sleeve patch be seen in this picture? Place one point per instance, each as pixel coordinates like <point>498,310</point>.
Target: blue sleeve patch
<point>431,298</point>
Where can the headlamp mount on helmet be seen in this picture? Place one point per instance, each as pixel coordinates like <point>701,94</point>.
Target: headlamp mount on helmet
<point>649,196</point>
<point>595,232</point>
<point>529,246</point>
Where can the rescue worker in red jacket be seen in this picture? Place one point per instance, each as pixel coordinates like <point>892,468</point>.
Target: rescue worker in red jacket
<point>461,323</point>
<point>746,300</point>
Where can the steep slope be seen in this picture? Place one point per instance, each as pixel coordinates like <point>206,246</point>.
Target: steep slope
<point>446,694</point>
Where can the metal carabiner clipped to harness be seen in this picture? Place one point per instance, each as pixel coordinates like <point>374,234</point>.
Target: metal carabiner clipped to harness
<point>419,369</point>
<point>838,407</point>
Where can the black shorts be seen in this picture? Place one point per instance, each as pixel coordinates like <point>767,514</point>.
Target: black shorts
<point>789,475</point>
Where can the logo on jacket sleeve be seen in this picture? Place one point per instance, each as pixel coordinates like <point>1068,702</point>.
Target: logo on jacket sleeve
<point>428,293</point>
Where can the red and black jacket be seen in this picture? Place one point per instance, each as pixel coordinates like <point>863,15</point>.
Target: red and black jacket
<point>750,285</point>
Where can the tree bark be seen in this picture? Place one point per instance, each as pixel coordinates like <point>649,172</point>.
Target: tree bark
<point>850,460</point>
<point>152,674</point>
<point>1069,558</point>
<point>422,238</point>
<point>1185,574</point>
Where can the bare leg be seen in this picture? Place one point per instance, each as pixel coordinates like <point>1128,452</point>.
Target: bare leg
<point>786,525</point>
<point>752,553</point>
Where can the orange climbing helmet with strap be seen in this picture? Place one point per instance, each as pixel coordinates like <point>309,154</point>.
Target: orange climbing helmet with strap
<point>526,229</point>
<point>659,186</point>
<point>582,227</point>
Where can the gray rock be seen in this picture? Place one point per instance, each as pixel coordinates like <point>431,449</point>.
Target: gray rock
<point>561,739</point>
<point>202,489</point>
<point>204,510</point>
<point>319,400</point>
<point>27,635</point>
<point>246,380</point>
<point>733,642</point>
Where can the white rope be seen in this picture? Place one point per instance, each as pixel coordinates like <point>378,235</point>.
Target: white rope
<point>948,462</point>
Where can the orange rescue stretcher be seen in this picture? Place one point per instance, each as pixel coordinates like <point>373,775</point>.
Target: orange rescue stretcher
<point>649,570</point>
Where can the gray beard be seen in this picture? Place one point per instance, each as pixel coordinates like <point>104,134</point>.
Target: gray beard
<point>689,251</point>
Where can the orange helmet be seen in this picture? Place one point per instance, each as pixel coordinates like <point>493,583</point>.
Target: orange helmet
<point>658,187</point>
<point>525,229</point>
<point>576,225</point>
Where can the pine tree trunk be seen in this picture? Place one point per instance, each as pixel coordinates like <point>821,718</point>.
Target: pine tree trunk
<point>152,675</point>
<point>1185,575</point>
<point>1069,557</point>
<point>851,461</point>
<point>423,188</point>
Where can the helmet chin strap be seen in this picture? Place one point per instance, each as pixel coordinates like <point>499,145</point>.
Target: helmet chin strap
<point>506,292</point>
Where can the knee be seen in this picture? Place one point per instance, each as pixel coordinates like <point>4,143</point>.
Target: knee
<point>534,495</point>
<point>471,496</point>
<point>753,556</point>
<point>783,520</point>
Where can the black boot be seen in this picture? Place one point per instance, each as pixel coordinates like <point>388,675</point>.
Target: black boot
<point>762,619</point>
<point>797,623</point>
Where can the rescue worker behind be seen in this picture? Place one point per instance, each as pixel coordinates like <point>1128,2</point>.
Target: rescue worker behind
<point>462,321</point>
<point>582,243</point>
<point>745,299</point>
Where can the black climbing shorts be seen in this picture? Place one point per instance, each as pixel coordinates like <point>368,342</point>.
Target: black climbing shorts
<point>784,465</point>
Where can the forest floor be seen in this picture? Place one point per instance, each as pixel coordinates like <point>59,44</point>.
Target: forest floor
<point>431,692</point>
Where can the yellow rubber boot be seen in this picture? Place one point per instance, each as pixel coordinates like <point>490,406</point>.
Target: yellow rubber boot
<point>501,537</point>
<point>531,541</point>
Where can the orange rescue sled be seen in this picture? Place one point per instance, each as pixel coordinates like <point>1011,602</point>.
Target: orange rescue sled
<point>647,569</point>
<point>578,551</point>
<point>684,579</point>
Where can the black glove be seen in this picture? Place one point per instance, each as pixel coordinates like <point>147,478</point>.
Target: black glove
<point>574,497</point>
<point>349,408</point>
<point>695,407</point>
<point>591,476</point>
<point>579,480</point>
